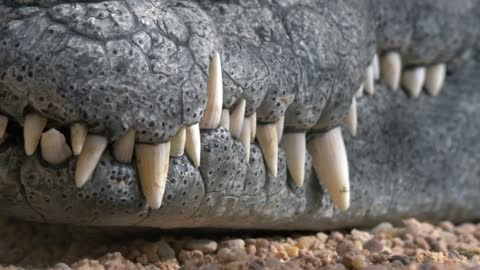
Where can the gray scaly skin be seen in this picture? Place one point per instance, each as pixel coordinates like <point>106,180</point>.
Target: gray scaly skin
<point>118,65</point>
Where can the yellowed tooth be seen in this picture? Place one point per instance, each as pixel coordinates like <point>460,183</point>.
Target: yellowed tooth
<point>279,124</point>
<point>376,67</point>
<point>54,147</point>
<point>32,131</point>
<point>3,126</point>
<point>123,147</point>
<point>225,119</point>
<point>193,144</point>
<point>152,164</point>
<point>295,149</point>
<point>236,119</point>
<point>435,78</point>
<point>245,137</point>
<point>369,81</point>
<point>413,80</point>
<point>391,67</point>
<point>213,111</point>
<point>351,121</point>
<point>88,159</point>
<point>253,126</point>
<point>78,135</point>
<point>177,143</point>
<point>330,163</point>
<point>267,136</point>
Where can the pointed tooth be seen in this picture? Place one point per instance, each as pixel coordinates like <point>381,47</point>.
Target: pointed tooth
<point>279,125</point>
<point>369,81</point>
<point>236,118</point>
<point>78,134</point>
<point>123,147</point>
<point>193,144</point>
<point>435,78</point>
<point>295,148</point>
<point>376,67</point>
<point>3,126</point>
<point>54,147</point>
<point>32,131</point>
<point>267,136</point>
<point>413,80</point>
<point>152,164</point>
<point>177,143</point>
<point>351,121</point>
<point>89,157</point>
<point>359,92</point>
<point>213,111</point>
<point>391,67</point>
<point>253,127</point>
<point>245,137</point>
<point>225,119</point>
<point>330,163</point>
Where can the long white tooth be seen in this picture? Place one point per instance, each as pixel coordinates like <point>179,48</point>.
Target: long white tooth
<point>152,164</point>
<point>359,92</point>
<point>177,143</point>
<point>225,119</point>
<point>376,67</point>
<point>413,80</point>
<point>330,163</point>
<point>391,67</point>
<point>89,157</point>
<point>55,149</point>
<point>351,121</point>
<point>435,78</point>
<point>253,126</point>
<point>236,118</point>
<point>295,148</point>
<point>369,81</point>
<point>193,144</point>
<point>78,135</point>
<point>123,147</point>
<point>3,126</point>
<point>267,136</point>
<point>213,111</point>
<point>32,131</point>
<point>245,137</point>
<point>280,122</point>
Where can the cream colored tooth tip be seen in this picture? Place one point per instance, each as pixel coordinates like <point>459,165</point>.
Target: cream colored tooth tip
<point>193,144</point>
<point>225,119</point>
<point>376,67</point>
<point>89,157</point>
<point>369,81</point>
<point>435,78</point>
<point>359,92</point>
<point>268,141</point>
<point>3,126</point>
<point>295,149</point>
<point>253,126</point>
<point>413,80</point>
<point>390,68</point>
<point>351,121</point>
<point>213,111</point>
<point>280,124</point>
<point>123,147</point>
<point>245,138</point>
<point>32,131</point>
<point>54,147</point>
<point>78,135</point>
<point>177,143</point>
<point>236,119</point>
<point>152,165</point>
<point>330,163</point>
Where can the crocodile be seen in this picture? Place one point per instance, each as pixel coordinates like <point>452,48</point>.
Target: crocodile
<point>239,114</point>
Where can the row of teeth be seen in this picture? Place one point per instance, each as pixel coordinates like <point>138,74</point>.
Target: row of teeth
<point>388,68</point>
<point>328,152</point>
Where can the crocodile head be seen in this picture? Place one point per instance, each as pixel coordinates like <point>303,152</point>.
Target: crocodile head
<point>223,113</point>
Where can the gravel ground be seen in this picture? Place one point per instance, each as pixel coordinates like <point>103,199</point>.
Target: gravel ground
<point>411,245</point>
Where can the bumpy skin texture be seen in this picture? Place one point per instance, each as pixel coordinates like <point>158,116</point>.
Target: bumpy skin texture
<point>143,64</point>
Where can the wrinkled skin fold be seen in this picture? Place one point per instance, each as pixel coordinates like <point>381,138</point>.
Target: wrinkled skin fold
<point>119,65</point>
